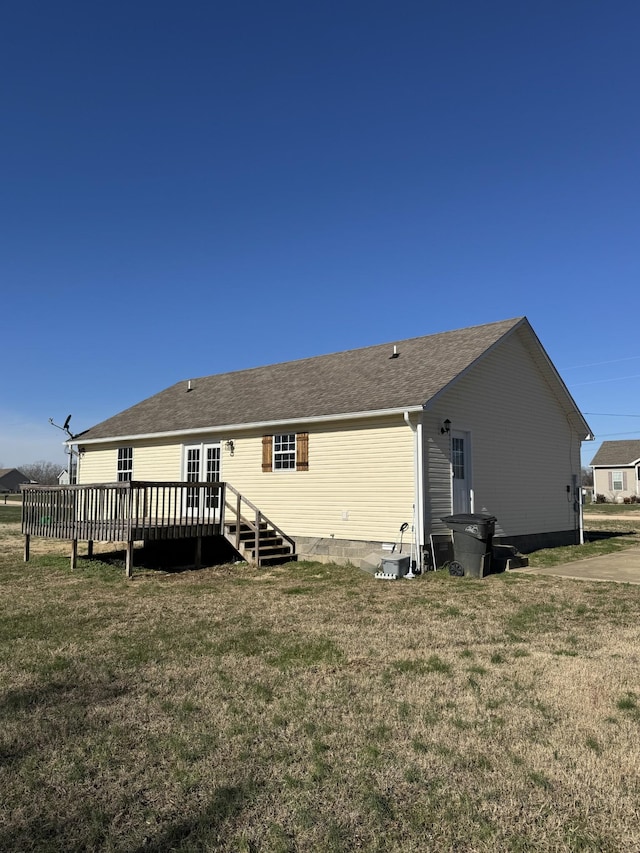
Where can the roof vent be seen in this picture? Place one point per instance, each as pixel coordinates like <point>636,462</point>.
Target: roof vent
<point>396,354</point>
<point>189,385</point>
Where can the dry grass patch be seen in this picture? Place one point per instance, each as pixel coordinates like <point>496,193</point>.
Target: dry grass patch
<point>313,708</point>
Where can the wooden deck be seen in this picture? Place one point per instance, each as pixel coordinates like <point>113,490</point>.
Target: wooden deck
<point>136,511</point>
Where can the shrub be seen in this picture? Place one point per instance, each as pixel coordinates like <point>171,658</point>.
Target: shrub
<point>600,499</point>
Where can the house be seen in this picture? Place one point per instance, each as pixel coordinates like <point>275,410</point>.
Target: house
<point>341,450</point>
<point>11,479</point>
<point>616,470</point>
<point>63,476</point>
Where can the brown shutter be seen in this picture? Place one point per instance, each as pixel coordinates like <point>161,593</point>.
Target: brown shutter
<point>302,451</point>
<point>610,481</point>
<point>267,453</point>
<point>624,480</point>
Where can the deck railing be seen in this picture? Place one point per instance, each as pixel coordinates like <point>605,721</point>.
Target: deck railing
<point>118,512</point>
<point>135,510</point>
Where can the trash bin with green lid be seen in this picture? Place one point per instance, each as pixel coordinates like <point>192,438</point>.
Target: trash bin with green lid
<point>472,536</point>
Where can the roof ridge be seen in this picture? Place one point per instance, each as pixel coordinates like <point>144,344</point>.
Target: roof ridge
<point>513,322</point>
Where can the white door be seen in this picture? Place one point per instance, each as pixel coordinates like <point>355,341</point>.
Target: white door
<point>461,471</point>
<point>202,465</point>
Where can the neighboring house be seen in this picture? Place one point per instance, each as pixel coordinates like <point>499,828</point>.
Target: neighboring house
<point>63,476</point>
<point>616,470</point>
<point>341,450</point>
<point>11,479</point>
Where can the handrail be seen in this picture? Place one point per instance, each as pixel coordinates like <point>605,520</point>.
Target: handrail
<point>259,516</point>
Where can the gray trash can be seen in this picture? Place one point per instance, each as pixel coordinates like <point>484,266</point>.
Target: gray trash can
<point>472,536</point>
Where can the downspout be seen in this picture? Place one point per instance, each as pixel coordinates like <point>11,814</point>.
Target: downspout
<point>419,491</point>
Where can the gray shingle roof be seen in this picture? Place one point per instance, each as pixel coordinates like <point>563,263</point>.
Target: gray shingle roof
<point>354,381</point>
<point>613,453</point>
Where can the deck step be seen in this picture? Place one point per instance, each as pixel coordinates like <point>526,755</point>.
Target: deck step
<point>272,551</point>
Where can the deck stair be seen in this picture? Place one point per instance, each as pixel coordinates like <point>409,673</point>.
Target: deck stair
<point>257,539</point>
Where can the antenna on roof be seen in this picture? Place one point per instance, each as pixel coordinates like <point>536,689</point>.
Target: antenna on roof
<point>72,453</point>
<point>65,427</point>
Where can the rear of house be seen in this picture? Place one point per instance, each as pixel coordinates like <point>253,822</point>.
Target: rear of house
<point>341,450</point>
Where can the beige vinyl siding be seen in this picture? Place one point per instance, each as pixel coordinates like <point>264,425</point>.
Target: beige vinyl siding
<point>359,486</point>
<point>522,445</point>
<point>153,460</point>
<point>602,485</point>
<point>98,465</point>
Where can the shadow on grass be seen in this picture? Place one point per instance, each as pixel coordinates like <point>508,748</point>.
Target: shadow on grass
<point>62,701</point>
<point>91,827</point>
<point>603,535</point>
<point>206,828</point>
<point>59,709</point>
<point>168,555</point>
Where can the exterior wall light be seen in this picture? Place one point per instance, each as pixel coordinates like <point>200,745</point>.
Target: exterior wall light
<point>446,426</point>
<point>230,446</point>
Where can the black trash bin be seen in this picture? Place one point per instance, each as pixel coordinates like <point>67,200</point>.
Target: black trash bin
<point>472,535</point>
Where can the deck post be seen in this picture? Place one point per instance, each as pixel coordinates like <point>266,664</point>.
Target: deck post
<point>74,553</point>
<point>257,538</point>
<point>90,548</point>
<point>27,542</point>
<point>129,559</point>
<point>198,562</point>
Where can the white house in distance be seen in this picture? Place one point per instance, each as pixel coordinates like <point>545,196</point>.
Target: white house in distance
<point>341,450</point>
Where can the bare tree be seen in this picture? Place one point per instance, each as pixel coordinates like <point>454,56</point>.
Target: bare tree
<point>44,473</point>
<point>587,476</point>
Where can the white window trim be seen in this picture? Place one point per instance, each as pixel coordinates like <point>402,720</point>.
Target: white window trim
<point>122,470</point>
<point>279,454</point>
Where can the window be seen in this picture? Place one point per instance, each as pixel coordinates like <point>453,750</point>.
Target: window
<point>125,464</point>
<point>287,451</point>
<point>617,481</point>
<point>284,451</point>
<point>457,458</point>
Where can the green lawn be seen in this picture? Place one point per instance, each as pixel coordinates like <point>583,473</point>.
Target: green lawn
<point>313,708</point>
<point>612,508</point>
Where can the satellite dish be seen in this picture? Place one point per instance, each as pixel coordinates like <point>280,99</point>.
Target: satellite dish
<point>66,423</point>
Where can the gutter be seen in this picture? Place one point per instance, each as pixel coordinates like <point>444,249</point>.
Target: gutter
<point>234,428</point>
<point>418,518</point>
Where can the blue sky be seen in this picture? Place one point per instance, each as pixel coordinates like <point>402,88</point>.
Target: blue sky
<point>196,187</point>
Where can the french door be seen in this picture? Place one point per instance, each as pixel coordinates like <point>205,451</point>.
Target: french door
<point>202,465</point>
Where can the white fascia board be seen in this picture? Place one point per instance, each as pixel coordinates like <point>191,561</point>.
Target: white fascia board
<point>231,428</point>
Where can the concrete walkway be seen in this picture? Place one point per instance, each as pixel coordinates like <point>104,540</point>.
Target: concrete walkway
<point>622,567</point>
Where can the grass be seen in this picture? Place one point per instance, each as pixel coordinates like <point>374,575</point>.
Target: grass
<point>313,708</point>
<point>10,513</point>
<point>603,535</point>
<point>612,509</point>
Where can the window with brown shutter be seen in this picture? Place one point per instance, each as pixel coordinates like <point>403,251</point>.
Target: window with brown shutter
<point>285,451</point>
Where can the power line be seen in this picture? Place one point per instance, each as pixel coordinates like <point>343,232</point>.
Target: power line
<point>614,379</point>
<point>598,363</point>
<point>611,434</point>
<point>609,415</point>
